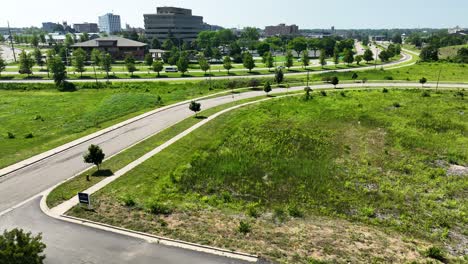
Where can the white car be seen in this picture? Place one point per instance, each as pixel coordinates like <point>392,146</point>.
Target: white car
<point>171,69</point>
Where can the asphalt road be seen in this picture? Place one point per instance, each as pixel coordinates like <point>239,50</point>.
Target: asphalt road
<point>406,58</point>
<point>70,243</point>
<point>75,244</point>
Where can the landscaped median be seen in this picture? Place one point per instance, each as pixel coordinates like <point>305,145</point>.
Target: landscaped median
<point>352,176</point>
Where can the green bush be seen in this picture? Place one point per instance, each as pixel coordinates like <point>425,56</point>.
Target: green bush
<point>29,135</point>
<point>435,253</point>
<point>389,78</point>
<point>295,211</point>
<point>426,94</point>
<point>226,196</point>
<point>279,214</point>
<point>244,227</point>
<point>252,210</point>
<point>385,90</point>
<point>127,200</point>
<point>323,93</point>
<point>10,135</point>
<point>158,208</point>
<point>396,105</point>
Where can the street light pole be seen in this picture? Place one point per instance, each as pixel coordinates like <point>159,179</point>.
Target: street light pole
<point>11,41</point>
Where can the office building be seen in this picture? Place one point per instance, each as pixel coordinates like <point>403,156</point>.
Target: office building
<point>281,30</point>
<point>51,27</point>
<point>110,23</point>
<point>176,22</point>
<point>86,28</point>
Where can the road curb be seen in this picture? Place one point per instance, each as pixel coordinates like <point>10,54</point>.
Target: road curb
<point>40,157</point>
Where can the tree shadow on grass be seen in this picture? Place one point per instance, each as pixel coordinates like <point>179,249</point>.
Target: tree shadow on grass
<point>201,117</point>
<point>103,173</point>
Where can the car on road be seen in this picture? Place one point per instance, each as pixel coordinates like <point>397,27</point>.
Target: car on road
<point>171,69</point>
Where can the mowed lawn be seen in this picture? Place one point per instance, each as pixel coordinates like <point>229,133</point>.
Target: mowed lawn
<point>350,176</point>
<point>33,121</point>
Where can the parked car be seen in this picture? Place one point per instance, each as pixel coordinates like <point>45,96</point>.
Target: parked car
<point>171,69</point>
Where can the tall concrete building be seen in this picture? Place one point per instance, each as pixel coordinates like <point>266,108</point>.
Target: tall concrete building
<point>110,23</point>
<point>86,28</point>
<point>173,21</point>
<point>281,30</point>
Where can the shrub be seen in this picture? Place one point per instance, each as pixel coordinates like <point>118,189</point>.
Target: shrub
<point>396,105</point>
<point>323,93</point>
<point>295,211</point>
<point>389,78</point>
<point>162,222</point>
<point>158,101</point>
<point>29,135</point>
<point>158,208</point>
<point>253,211</point>
<point>38,117</point>
<point>226,197</point>
<point>127,200</point>
<point>244,227</point>
<point>426,94</point>
<point>368,212</point>
<point>385,90</point>
<point>279,214</point>
<point>435,253</point>
<point>10,135</point>
<point>343,94</point>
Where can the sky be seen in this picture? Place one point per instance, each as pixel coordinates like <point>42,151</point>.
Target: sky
<point>343,14</point>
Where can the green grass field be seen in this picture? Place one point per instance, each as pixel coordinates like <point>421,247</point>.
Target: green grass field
<point>450,52</point>
<point>296,180</point>
<point>54,118</point>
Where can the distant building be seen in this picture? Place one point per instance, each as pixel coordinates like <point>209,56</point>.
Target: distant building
<point>173,22</point>
<point>118,47</point>
<point>281,30</point>
<point>110,23</point>
<point>51,27</point>
<point>379,38</point>
<point>458,30</point>
<point>86,28</point>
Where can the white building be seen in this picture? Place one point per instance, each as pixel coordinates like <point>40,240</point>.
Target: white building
<point>110,23</point>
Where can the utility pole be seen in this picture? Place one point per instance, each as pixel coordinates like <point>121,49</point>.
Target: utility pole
<point>11,41</point>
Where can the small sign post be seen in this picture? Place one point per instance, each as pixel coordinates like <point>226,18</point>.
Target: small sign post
<point>85,199</point>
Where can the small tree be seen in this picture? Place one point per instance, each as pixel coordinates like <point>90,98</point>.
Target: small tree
<point>195,107</point>
<point>35,41</point>
<point>305,58</point>
<point>204,65</point>
<point>248,61</point>
<point>279,76</point>
<point>336,56</point>
<point>358,59</point>
<point>25,63</point>
<point>335,81</point>
<point>106,64</point>
<point>131,68</point>
<point>149,61</point>
<point>348,56</point>
<point>16,246</point>
<point>227,63</point>
<point>354,76</point>
<point>2,65</point>
<point>269,60</point>
<point>183,62</point>
<point>95,155</point>
<point>96,57</point>
<point>38,57</point>
<point>368,55</point>
<point>79,58</point>
<point>58,70</point>
<point>323,58</point>
<point>267,88</point>
<point>158,66</point>
<point>289,59</point>
<point>422,81</point>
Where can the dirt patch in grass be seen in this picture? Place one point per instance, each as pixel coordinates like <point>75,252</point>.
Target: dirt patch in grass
<point>296,240</point>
